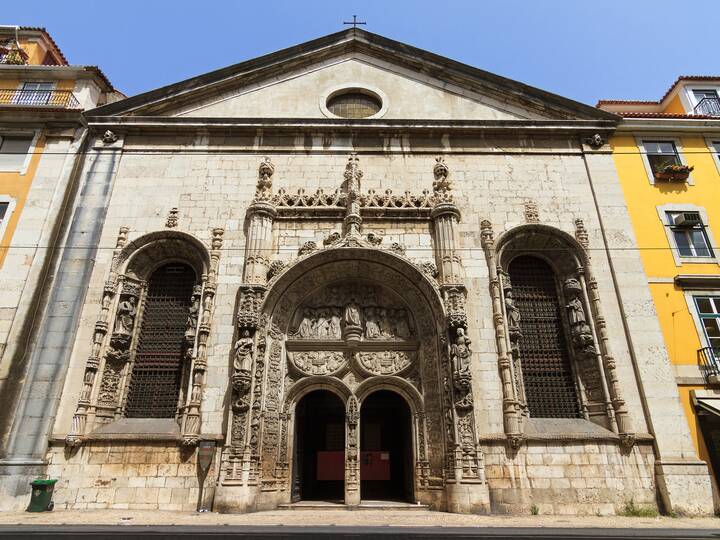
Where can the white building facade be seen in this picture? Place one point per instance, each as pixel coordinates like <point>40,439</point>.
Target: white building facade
<point>355,270</point>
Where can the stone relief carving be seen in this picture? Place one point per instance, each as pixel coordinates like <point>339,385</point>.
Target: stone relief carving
<point>454,298</point>
<point>307,248</point>
<point>532,213</point>
<point>276,268</point>
<point>172,218</point>
<point>109,137</point>
<point>595,142</point>
<point>352,465</point>
<point>581,233</point>
<point>442,187</point>
<point>384,362</point>
<point>340,312</point>
<point>317,362</point>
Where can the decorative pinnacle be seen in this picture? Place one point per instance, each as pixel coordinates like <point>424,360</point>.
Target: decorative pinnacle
<point>353,174</point>
<point>264,183</point>
<point>440,170</point>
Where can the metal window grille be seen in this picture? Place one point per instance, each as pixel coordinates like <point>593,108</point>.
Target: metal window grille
<point>157,371</point>
<point>549,385</point>
<point>354,105</point>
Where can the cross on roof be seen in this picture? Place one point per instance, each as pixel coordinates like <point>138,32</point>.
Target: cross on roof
<point>354,22</point>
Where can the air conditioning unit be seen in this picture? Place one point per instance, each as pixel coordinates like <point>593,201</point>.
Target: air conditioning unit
<point>687,219</point>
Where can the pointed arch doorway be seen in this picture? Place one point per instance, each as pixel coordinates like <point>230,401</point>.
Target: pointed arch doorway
<point>386,449</point>
<point>319,448</point>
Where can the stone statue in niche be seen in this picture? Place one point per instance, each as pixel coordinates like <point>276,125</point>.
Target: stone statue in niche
<point>372,325</point>
<point>125,316</point>
<point>352,314</point>
<point>576,313</point>
<point>461,352</point>
<point>305,330</point>
<point>581,333</point>
<point>243,352</point>
<point>513,317</point>
<point>193,314</point>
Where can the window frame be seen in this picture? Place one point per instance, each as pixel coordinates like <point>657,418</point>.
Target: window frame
<point>690,93</point>
<point>11,202</point>
<point>690,297</point>
<point>35,135</point>
<point>714,152</point>
<point>355,86</point>
<point>651,137</point>
<point>663,212</point>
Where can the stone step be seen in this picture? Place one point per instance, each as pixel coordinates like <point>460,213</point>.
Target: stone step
<point>364,505</point>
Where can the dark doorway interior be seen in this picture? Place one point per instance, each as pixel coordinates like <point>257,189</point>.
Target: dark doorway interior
<point>320,447</point>
<point>385,448</point>
<point>710,429</point>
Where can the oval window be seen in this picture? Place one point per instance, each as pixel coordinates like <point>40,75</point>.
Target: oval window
<point>354,104</point>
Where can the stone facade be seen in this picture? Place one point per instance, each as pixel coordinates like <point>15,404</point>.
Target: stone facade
<point>359,257</point>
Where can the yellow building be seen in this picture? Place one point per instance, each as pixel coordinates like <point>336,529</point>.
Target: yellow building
<point>42,98</point>
<point>666,153</point>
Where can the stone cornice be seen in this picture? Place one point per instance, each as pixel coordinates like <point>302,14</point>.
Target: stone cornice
<point>471,127</point>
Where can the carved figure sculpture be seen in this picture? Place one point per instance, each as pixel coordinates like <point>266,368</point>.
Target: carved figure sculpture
<point>402,328</point>
<point>193,312</point>
<point>243,352</point>
<point>306,325</point>
<point>576,312</point>
<point>385,329</point>
<point>335,323</point>
<point>352,314</point>
<point>372,328</point>
<point>461,352</point>
<point>513,313</point>
<point>125,316</point>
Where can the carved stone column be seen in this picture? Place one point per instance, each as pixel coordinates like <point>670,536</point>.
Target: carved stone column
<point>445,216</point>
<point>622,415</point>
<point>352,452</point>
<point>84,408</point>
<point>511,422</point>
<point>200,316</point>
<point>353,175</point>
<point>260,215</point>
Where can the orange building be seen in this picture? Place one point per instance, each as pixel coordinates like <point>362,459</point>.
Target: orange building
<point>666,153</point>
<point>42,98</point>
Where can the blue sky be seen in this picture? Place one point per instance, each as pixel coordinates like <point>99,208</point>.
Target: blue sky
<point>582,49</point>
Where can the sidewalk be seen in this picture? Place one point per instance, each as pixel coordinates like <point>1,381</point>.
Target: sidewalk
<point>415,518</point>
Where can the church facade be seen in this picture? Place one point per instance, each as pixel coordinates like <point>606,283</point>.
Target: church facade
<point>354,270</point>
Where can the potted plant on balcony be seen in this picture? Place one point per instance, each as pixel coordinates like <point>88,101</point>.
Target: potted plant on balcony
<point>673,172</point>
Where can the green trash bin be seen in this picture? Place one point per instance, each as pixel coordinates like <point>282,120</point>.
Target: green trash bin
<point>41,497</point>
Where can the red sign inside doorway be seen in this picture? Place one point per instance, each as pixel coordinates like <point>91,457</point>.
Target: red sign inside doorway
<point>331,465</point>
<point>375,465</point>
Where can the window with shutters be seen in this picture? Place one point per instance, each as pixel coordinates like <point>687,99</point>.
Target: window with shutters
<point>157,371</point>
<point>14,151</point>
<point>550,388</point>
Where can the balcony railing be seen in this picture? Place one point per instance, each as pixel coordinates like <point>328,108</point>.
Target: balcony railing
<point>63,99</point>
<point>709,360</point>
<point>708,106</point>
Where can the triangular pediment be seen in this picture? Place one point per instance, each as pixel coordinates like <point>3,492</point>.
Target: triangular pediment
<point>410,83</point>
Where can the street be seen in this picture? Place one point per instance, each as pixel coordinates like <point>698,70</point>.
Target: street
<point>55,532</point>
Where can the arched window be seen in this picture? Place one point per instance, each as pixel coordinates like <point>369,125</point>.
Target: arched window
<point>550,387</point>
<point>156,377</point>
